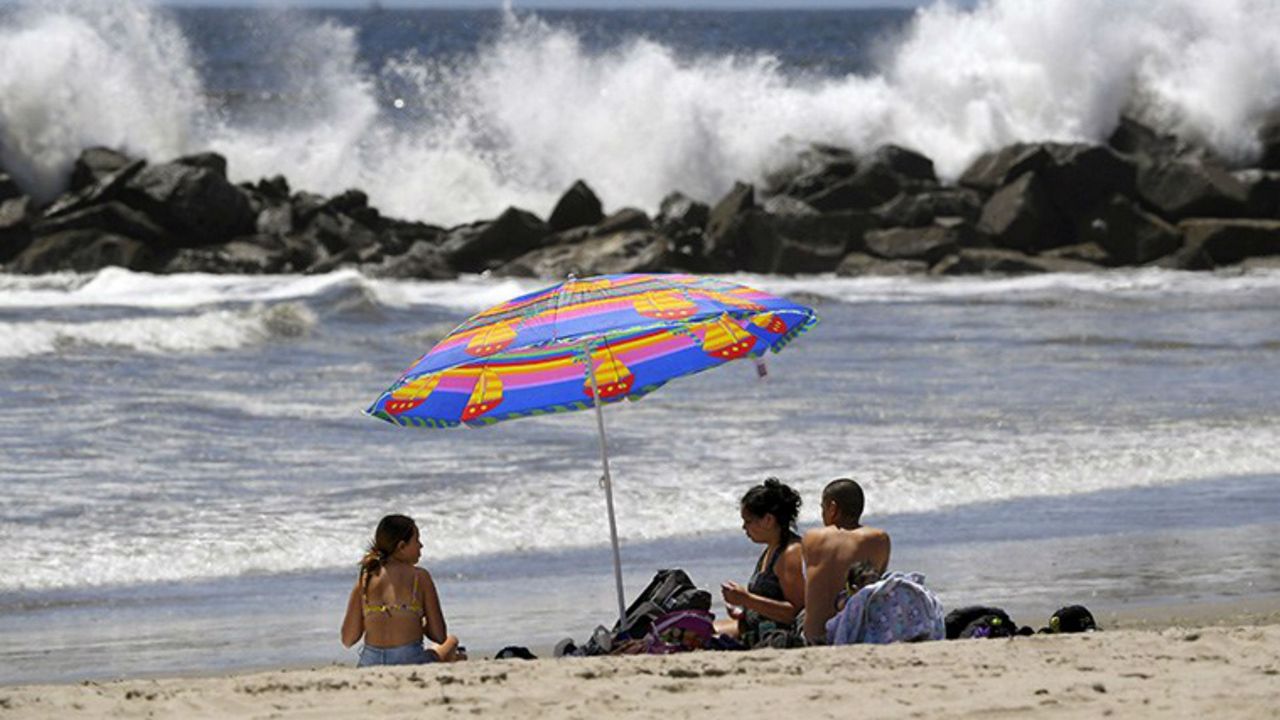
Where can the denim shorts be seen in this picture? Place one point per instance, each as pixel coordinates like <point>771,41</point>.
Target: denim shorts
<point>411,654</point>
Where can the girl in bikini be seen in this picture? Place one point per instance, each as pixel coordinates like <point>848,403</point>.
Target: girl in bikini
<point>394,605</point>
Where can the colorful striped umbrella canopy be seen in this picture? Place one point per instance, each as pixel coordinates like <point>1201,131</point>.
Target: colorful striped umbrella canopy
<point>529,356</point>
<point>583,343</point>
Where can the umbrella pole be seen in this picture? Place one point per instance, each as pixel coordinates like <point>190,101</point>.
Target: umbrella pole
<point>607,481</point>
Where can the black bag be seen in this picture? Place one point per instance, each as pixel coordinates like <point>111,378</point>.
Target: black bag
<point>669,590</point>
<point>1071,619</point>
<point>994,622</point>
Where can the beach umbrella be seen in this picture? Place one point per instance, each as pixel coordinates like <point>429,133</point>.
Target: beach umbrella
<point>587,342</point>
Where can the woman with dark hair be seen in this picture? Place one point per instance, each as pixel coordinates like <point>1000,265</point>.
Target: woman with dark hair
<point>394,604</point>
<point>775,593</point>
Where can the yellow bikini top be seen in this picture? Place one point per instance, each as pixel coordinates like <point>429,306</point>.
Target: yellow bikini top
<point>411,606</point>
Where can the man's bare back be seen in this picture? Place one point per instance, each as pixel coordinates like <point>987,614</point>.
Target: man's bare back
<point>828,553</point>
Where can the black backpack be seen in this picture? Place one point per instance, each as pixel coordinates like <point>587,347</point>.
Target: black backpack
<point>669,590</point>
<point>979,621</point>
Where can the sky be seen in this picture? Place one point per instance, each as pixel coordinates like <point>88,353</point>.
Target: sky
<point>620,4</point>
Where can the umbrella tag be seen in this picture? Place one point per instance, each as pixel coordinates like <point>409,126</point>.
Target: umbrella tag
<point>603,482</point>
<point>762,370</point>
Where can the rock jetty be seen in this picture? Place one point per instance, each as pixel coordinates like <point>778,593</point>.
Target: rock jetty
<point>1141,199</point>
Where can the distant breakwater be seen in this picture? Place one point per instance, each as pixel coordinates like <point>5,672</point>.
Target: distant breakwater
<point>1142,198</point>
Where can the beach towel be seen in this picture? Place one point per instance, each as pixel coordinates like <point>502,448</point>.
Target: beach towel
<point>897,608</point>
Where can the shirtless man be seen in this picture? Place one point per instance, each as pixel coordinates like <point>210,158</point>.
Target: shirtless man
<point>830,550</point>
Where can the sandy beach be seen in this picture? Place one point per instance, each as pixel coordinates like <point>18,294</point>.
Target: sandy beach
<point>1211,661</point>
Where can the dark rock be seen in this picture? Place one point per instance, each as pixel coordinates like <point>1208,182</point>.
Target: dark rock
<point>108,188</point>
<point>1184,188</point>
<point>485,246</point>
<point>623,252</point>
<point>1000,261</point>
<point>1021,216</point>
<point>998,168</point>
<point>926,244</point>
<point>423,261</point>
<point>16,217</point>
<point>816,168</point>
<point>275,219</point>
<point>679,214</point>
<point>905,164</point>
<point>577,207</point>
<point>94,165</point>
<point>195,202</point>
<point>251,255</point>
<point>349,202</point>
<point>305,206</point>
<point>1128,234</point>
<point>919,210</point>
<point>872,185</point>
<point>726,225</point>
<point>1262,188</point>
<point>208,160</point>
<point>1214,243</point>
<point>791,244</point>
<point>623,220</point>
<point>1132,137</point>
<point>9,189</point>
<point>113,218</point>
<point>861,264</point>
<point>274,189</point>
<point>83,251</point>
<point>399,236</point>
<point>1269,137</point>
<point>339,233</point>
<point>1079,177</point>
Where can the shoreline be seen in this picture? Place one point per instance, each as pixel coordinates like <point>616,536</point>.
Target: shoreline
<point>1217,658</point>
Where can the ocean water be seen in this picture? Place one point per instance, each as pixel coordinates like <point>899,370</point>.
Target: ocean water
<point>452,116</point>
<point>189,480</point>
<point>186,479</point>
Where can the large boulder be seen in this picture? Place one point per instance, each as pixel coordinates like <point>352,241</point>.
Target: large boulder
<point>83,251</point>
<point>727,225</point>
<point>107,188</point>
<point>112,217</point>
<point>923,244</point>
<point>1211,243</point>
<point>629,251</point>
<point>339,233</point>
<point>1184,188</point>
<point>16,216</point>
<point>577,207</point>
<point>1128,234</point>
<point>816,168</point>
<point>622,221</point>
<point>919,210</point>
<point>997,168</point>
<point>1079,177</point>
<point>94,165</point>
<point>790,244</point>
<point>486,246</point>
<point>1021,216</point>
<point>423,261</point>
<point>194,201</point>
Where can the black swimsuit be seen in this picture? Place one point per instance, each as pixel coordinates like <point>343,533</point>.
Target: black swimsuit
<point>765,583</point>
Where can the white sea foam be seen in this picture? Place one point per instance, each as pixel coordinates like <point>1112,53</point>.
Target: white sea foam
<point>202,332</point>
<point>534,109</point>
